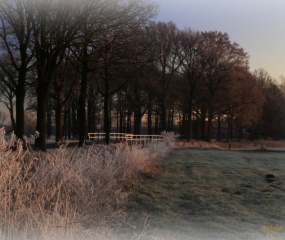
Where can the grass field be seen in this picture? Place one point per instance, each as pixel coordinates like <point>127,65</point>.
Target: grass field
<point>205,193</point>
<point>200,191</point>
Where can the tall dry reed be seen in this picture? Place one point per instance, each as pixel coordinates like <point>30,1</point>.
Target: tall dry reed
<point>68,193</point>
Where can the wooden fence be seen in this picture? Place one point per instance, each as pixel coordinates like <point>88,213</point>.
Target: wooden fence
<point>126,137</point>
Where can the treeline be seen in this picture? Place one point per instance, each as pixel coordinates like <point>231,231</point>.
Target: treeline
<point>83,62</point>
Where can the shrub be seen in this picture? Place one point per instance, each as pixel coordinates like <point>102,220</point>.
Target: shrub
<point>169,138</point>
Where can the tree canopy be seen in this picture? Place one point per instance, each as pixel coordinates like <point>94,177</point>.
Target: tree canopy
<point>90,61</point>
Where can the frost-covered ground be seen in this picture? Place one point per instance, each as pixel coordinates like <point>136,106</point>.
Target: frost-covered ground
<point>123,192</point>
<point>213,194</point>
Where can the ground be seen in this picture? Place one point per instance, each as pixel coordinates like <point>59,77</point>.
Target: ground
<point>212,194</point>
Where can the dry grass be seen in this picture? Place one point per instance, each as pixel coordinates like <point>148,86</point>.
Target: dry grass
<point>246,145</point>
<point>77,193</point>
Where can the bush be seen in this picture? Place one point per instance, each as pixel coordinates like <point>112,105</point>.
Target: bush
<point>68,193</point>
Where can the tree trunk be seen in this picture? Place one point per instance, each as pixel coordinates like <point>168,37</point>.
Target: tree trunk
<point>11,111</point>
<point>210,122</point>
<point>190,121</point>
<point>240,133</point>
<point>59,122</point>
<point>117,121</point>
<point>219,128</point>
<point>48,121</point>
<point>163,117</point>
<point>106,116</point>
<point>203,126</point>
<point>74,121</point>
<point>91,113</point>
<point>69,123</point>
<point>231,129</point>
<point>42,97</point>
<point>20,110</point>
<point>81,119</point>
<point>183,125</point>
<point>91,116</point>
<point>129,121</point>
<point>209,128</point>
<point>81,102</point>
<point>65,125</point>
<point>228,130</point>
<point>137,122</point>
<point>149,118</point>
<point>156,124</point>
<point>121,119</point>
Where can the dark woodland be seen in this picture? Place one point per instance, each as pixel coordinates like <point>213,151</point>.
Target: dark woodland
<point>66,65</point>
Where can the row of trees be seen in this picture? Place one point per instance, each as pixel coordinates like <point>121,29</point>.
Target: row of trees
<point>100,59</point>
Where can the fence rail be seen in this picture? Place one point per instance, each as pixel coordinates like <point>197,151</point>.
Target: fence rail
<point>125,136</point>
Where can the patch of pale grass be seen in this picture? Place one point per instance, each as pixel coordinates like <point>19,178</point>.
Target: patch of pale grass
<point>215,194</point>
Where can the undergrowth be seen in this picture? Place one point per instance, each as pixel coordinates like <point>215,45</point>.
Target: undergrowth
<point>69,193</point>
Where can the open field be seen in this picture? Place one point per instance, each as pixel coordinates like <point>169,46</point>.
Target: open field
<point>204,193</point>
<point>126,191</point>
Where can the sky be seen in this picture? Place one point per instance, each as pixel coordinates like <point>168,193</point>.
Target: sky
<point>258,26</point>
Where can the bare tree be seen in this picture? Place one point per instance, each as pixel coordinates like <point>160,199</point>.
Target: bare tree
<point>192,69</point>
<point>55,24</point>
<point>220,57</point>
<point>86,53</point>
<point>7,98</point>
<point>242,102</point>
<point>104,33</point>
<point>139,71</point>
<point>273,112</point>
<point>165,36</point>
<point>119,49</point>
<point>64,82</point>
<point>15,36</point>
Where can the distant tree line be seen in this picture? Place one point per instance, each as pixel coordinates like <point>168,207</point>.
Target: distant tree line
<point>76,63</point>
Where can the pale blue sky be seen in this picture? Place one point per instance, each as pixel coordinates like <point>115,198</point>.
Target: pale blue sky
<point>256,25</point>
